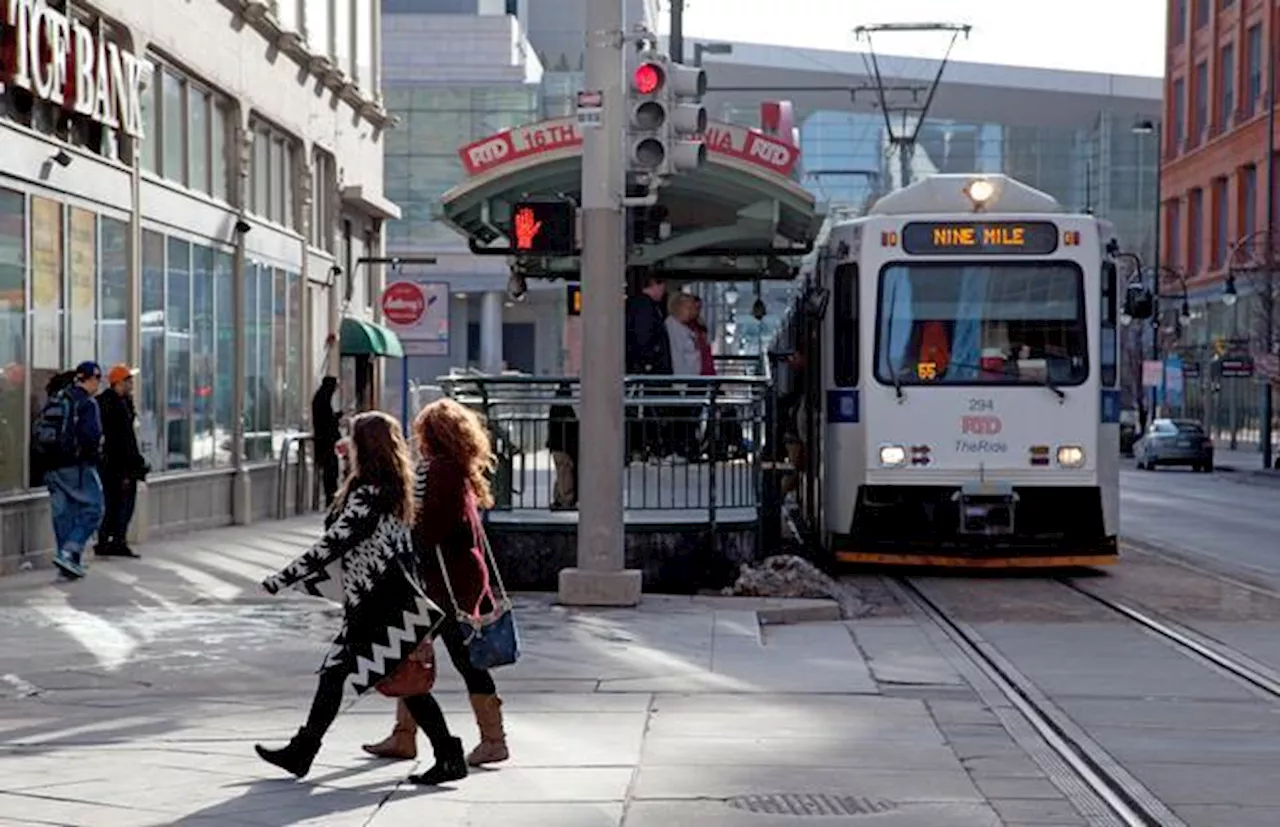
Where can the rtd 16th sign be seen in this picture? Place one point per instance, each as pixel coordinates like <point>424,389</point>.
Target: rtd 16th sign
<point>60,60</point>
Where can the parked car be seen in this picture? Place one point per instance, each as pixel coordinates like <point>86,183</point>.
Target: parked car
<point>1128,432</point>
<point>1175,442</point>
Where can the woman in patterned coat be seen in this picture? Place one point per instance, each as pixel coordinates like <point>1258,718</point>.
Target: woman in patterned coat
<point>367,553</point>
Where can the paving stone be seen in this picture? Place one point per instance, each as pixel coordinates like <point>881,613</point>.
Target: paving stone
<point>725,781</point>
<point>1014,787</point>
<point>1038,812</point>
<point>718,814</point>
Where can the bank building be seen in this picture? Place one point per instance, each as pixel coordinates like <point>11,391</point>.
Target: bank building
<point>195,189</point>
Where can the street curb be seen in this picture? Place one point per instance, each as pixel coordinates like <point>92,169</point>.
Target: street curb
<point>791,615</point>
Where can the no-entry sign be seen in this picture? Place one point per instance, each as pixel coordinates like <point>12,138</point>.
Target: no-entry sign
<point>403,303</point>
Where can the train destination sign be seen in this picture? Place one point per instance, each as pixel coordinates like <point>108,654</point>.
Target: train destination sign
<point>1025,238</point>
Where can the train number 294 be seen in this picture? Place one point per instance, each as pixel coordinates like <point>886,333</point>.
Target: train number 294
<point>977,405</point>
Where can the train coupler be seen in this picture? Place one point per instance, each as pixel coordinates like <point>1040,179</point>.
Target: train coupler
<point>986,509</point>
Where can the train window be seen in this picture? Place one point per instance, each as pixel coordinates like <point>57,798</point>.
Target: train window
<point>1110,340</point>
<point>844,351</point>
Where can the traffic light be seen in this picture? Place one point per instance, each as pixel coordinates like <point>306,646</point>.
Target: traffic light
<point>667,119</point>
<point>544,228</point>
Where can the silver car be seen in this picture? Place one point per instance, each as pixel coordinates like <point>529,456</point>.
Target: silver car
<point>1175,442</point>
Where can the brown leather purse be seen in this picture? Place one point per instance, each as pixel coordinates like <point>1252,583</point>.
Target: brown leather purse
<point>415,675</point>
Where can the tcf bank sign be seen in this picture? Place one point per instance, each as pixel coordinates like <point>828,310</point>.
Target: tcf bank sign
<point>62,61</point>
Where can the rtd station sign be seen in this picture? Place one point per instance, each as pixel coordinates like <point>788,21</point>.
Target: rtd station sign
<point>61,60</point>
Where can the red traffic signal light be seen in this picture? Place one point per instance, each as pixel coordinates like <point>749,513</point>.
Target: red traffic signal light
<point>647,78</point>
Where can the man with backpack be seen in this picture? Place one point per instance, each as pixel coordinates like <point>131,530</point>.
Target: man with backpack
<point>66,440</point>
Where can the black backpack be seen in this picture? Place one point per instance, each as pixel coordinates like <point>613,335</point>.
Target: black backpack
<point>53,434</point>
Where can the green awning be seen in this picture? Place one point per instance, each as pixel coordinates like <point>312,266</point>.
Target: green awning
<point>359,338</point>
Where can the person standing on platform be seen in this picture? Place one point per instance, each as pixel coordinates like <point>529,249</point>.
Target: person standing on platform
<point>685,361</point>
<point>648,353</point>
<point>66,440</point>
<point>327,433</point>
<point>562,442</point>
<point>122,462</point>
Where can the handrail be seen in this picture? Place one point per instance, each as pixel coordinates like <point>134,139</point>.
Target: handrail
<point>300,438</point>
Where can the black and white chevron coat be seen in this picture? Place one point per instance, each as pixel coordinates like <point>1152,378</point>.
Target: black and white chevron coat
<point>366,560</point>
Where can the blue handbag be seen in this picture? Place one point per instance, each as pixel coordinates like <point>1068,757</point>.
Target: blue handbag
<point>492,638</point>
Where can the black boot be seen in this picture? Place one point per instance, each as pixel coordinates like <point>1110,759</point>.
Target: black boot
<point>451,765</point>
<point>296,756</point>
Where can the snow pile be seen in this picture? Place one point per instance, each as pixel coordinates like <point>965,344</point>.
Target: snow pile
<point>784,575</point>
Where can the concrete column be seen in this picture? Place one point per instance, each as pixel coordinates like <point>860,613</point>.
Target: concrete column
<point>601,577</point>
<point>241,497</point>
<point>491,331</point>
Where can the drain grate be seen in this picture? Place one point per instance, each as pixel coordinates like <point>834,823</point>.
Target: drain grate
<point>807,804</point>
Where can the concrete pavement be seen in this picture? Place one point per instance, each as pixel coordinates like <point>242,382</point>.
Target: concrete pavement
<point>134,698</point>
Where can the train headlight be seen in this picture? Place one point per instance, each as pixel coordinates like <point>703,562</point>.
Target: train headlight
<point>980,191</point>
<point>893,456</point>
<point>1070,456</point>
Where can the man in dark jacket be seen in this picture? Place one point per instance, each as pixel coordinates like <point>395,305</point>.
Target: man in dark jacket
<point>325,427</point>
<point>67,437</point>
<point>648,354</point>
<point>562,442</point>
<point>122,462</point>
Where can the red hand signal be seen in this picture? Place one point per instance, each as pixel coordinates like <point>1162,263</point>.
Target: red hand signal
<point>527,228</point>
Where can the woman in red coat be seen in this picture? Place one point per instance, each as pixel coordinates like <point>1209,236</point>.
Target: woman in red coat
<point>452,484</point>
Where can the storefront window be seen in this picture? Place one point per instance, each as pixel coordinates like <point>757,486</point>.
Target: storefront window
<point>257,445</point>
<point>13,335</point>
<point>266,377</point>
<point>293,358</point>
<point>177,415</point>
<point>203,358</point>
<point>113,296</point>
<point>82,267</point>
<point>47,354</point>
<point>152,330</point>
<point>280,351</point>
<point>224,378</point>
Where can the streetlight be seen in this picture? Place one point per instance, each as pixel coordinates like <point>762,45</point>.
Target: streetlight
<point>700,49</point>
<point>731,295</point>
<point>1229,296</point>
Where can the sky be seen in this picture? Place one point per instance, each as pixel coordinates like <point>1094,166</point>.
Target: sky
<point>1115,36</point>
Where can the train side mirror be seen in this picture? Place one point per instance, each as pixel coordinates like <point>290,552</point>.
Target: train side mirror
<point>1139,303</point>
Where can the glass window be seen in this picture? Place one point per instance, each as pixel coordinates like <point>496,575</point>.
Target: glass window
<point>278,178</point>
<point>364,35</point>
<point>289,14</point>
<point>1221,229</point>
<point>1227,79</point>
<point>177,415</point>
<point>13,339</point>
<point>151,119</point>
<point>224,379</point>
<point>261,171</point>
<point>1014,323</point>
<point>293,357</point>
<point>341,47</point>
<point>47,356</point>
<point>1253,54</point>
<point>1201,109</point>
<point>218,133</point>
<point>1110,315</point>
<point>113,291</point>
<point>82,269</point>
<point>1249,201</point>
<point>174,126</point>
<point>1179,113</point>
<point>317,21</point>
<point>198,102</point>
<point>287,174</point>
<point>203,359</point>
<point>279,350</point>
<point>1179,21</point>
<point>152,332</point>
<point>1195,210</point>
<point>844,356</point>
<point>1202,13</point>
<point>266,375</point>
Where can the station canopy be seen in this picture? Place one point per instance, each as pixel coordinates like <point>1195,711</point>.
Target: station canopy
<point>743,215</point>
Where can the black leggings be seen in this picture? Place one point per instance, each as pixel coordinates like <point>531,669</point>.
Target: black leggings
<point>328,700</point>
<point>478,681</point>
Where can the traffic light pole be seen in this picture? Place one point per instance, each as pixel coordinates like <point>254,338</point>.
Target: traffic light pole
<point>601,577</point>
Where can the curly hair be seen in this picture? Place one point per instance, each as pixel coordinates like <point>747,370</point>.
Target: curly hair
<point>450,431</point>
<point>380,457</point>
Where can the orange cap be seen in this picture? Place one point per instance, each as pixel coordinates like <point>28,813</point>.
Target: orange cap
<point>119,373</point>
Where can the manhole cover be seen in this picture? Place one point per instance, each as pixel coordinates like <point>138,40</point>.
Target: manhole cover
<point>792,804</point>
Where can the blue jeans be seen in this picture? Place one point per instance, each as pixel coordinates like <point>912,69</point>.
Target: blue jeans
<point>76,502</point>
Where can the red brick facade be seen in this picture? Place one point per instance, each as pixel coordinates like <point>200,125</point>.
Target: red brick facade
<point>1214,130</point>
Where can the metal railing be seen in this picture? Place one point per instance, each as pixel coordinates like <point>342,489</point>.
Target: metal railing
<point>692,443</point>
<point>290,441</point>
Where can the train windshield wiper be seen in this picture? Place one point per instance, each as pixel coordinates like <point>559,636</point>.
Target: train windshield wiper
<point>1006,370</point>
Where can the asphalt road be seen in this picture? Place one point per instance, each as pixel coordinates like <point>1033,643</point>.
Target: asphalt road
<point>1225,519</point>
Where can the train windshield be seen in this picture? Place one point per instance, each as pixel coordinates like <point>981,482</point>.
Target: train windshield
<point>1015,323</point>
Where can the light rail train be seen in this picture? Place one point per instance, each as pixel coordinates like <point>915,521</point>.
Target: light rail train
<point>952,394</point>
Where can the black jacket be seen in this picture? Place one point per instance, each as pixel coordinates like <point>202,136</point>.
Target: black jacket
<point>324,420</point>
<point>121,457</point>
<point>648,348</point>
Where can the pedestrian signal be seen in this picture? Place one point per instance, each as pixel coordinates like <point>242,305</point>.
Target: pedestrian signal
<point>544,227</point>
<point>574,296</point>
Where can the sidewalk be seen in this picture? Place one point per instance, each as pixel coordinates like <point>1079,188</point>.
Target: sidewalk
<point>134,698</point>
<point>1247,463</point>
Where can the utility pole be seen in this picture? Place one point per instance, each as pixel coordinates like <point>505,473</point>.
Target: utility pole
<point>1269,300</point>
<point>601,577</point>
<point>676,47</point>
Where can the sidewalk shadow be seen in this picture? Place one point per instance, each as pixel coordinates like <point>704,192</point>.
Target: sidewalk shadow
<point>286,801</point>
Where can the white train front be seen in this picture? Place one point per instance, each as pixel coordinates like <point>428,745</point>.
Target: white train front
<point>969,368</point>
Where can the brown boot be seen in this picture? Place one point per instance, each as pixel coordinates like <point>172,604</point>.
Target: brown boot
<point>493,740</point>
<point>402,743</point>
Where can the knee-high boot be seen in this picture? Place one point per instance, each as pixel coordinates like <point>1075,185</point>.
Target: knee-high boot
<point>492,748</point>
<point>402,743</point>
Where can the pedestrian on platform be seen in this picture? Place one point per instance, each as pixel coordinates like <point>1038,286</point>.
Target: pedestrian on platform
<point>66,443</point>
<point>122,463</point>
<point>702,336</point>
<point>452,482</point>
<point>648,353</point>
<point>685,361</point>
<point>327,433</point>
<point>562,442</point>
<point>387,614</point>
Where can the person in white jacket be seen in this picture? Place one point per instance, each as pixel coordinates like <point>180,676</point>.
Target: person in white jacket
<point>686,360</point>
